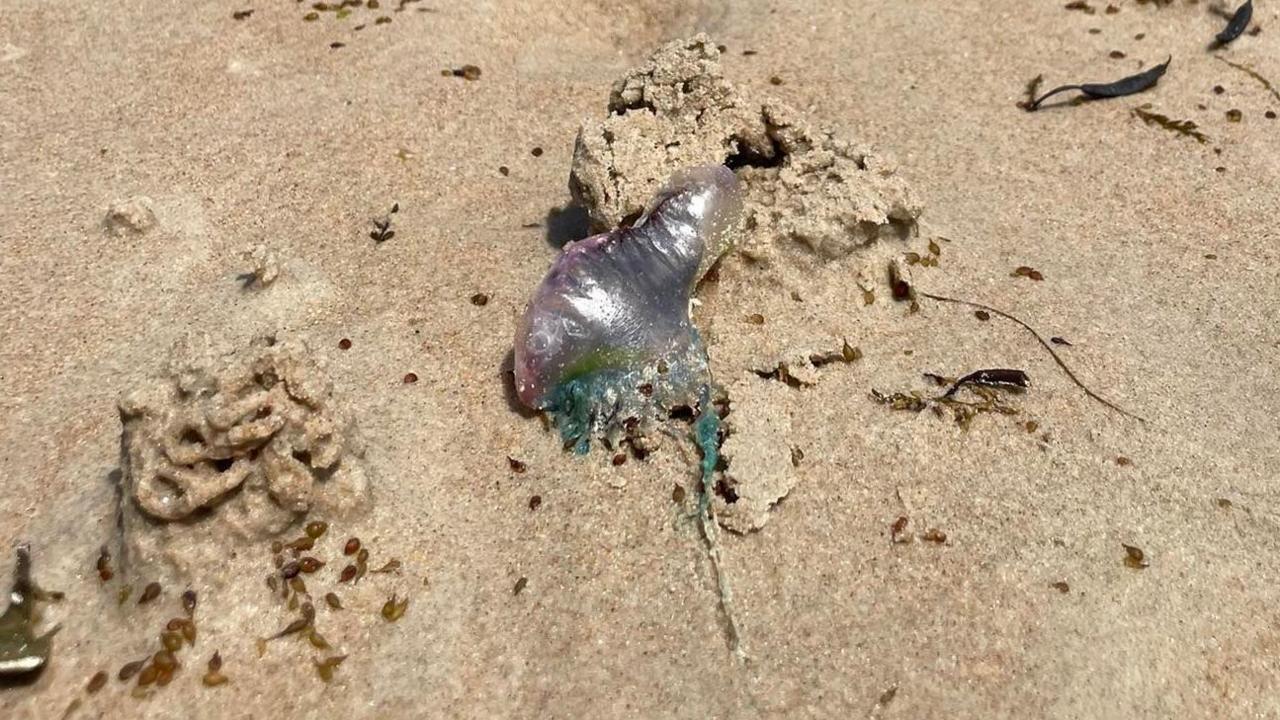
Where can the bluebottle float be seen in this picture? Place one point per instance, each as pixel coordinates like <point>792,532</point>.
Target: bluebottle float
<point>607,337</point>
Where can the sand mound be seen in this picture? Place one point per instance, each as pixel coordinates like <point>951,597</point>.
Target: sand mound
<point>238,444</point>
<point>806,187</point>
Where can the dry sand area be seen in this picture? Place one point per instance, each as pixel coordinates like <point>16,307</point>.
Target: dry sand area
<point>918,567</point>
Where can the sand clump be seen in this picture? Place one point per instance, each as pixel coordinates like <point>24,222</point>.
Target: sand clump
<point>761,461</point>
<point>227,445</point>
<point>812,196</point>
<point>130,216</point>
<point>807,187</point>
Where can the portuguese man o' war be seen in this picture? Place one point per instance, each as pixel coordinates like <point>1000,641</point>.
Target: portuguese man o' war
<point>607,343</point>
<point>607,339</point>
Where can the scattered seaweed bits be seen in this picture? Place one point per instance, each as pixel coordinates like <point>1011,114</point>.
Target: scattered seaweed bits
<point>213,676</point>
<point>1081,6</point>
<point>982,315</point>
<point>1004,378</point>
<point>934,535</point>
<point>1059,341</point>
<point>898,530</point>
<point>164,660</point>
<point>1234,115</point>
<point>104,564</point>
<point>96,682</point>
<point>333,601</point>
<point>316,528</point>
<point>1218,89</point>
<point>535,502</point>
<point>382,231</point>
<point>536,152</point>
<point>1134,557</point>
<point>149,593</point>
<point>1030,92</point>
<point>520,586</point>
<point>1236,25</point>
<point>128,670</point>
<point>295,626</point>
<point>516,466</point>
<point>1061,586</point>
<point>677,494</point>
<point>1123,461</point>
<point>1270,114</point>
<point>900,401</point>
<point>1130,85</point>
<point>351,547</point>
<point>172,641</point>
<point>393,609</point>
<point>392,566</point>
<point>189,602</point>
<point>326,667</point>
<point>466,72</point>
<point>241,14</point>
<point>317,640</point>
<point>1027,272</point>
<point>362,563</point>
<point>479,299</point>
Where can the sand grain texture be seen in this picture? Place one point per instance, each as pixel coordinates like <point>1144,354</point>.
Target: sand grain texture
<point>1160,270</point>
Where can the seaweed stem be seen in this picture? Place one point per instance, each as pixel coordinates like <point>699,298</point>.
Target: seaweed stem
<point>1056,358</point>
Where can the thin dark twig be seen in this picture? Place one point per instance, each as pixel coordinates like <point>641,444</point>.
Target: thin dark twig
<point>1061,363</point>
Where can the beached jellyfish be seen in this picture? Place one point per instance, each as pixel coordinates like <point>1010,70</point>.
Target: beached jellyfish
<point>607,339</point>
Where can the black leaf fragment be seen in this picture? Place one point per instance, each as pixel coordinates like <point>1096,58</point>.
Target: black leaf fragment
<point>994,377</point>
<point>1236,26</point>
<point>1124,86</point>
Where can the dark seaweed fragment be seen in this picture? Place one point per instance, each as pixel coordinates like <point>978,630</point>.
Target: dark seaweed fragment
<point>1124,86</point>
<point>994,377</point>
<point>1236,26</point>
<point>1182,127</point>
<point>21,651</point>
<point>1032,89</point>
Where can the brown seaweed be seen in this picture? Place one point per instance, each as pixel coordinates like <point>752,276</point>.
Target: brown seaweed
<point>1130,85</point>
<point>1182,127</point>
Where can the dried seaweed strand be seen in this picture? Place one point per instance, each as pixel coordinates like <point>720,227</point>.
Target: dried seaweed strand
<point>1182,127</point>
<point>1253,74</point>
<point>1061,363</point>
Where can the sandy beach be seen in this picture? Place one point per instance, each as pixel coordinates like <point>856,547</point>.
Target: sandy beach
<point>917,567</point>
